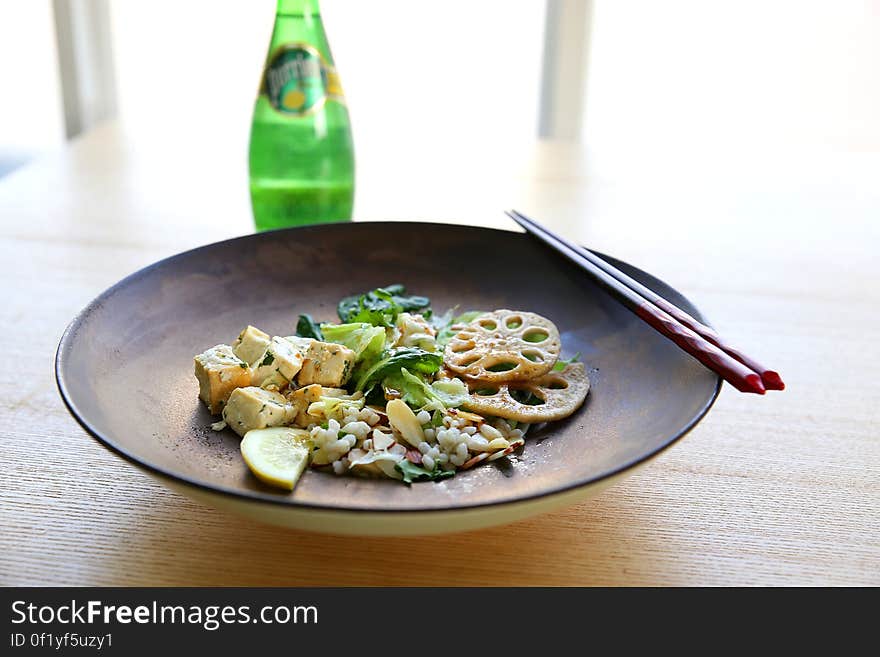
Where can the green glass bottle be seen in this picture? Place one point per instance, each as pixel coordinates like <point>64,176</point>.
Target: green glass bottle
<point>301,151</point>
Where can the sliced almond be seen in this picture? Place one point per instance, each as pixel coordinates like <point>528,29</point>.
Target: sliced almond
<point>472,462</point>
<point>465,415</point>
<point>505,452</point>
<point>498,443</point>
<point>382,440</point>
<point>356,454</point>
<point>405,422</point>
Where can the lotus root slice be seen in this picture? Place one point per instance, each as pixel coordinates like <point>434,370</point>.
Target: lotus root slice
<point>550,397</point>
<point>503,346</point>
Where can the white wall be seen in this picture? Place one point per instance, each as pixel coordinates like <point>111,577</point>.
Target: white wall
<point>463,74</point>
<point>744,75</point>
<point>31,120</point>
<point>460,71</point>
<point>452,73</point>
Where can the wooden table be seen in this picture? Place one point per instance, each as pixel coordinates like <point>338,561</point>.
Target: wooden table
<point>779,250</point>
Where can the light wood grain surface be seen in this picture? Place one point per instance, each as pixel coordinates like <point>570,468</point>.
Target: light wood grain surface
<point>780,251</point>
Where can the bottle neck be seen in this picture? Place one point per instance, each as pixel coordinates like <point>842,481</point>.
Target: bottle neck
<point>305,8</point>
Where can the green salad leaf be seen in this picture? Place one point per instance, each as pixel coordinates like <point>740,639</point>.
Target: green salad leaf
<point>364,339</point>
<point>416,392</point>
<point>440,322</point>
<point>452,393</point>
<point>335,407</point>
<point>411,358</point>
<point>381,306</point>
<point>561,364</point>
<point>445,332</point>
<point>306,327</point>
<point>412,472</point>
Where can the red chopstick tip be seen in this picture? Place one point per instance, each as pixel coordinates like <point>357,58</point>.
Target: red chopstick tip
<point>754,384</point>
<point>772,380</point>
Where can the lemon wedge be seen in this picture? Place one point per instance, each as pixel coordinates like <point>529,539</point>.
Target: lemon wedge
<point>277,455</point>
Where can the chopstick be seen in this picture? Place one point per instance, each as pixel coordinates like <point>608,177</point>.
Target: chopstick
<point>695,338</point>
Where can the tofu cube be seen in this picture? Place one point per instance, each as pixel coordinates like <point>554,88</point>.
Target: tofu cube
<point>302,344</point>
<point>327,363</point>
<point>219,372</point>
<point>301,399</point>
<point>250,344</point>
<point>255,408</point>
<point>278,365</point>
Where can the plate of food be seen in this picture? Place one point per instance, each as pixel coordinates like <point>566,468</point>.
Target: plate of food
<point>383,378</point>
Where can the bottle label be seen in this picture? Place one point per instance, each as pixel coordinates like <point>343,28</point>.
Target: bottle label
<point>298,81</point>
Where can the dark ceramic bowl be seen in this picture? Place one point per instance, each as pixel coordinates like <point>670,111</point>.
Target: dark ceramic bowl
<point>124,368</point>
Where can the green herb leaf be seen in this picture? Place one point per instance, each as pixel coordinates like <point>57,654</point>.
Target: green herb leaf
<point>561,364</point>
<point>306,327</point>
<point>412,472</point>
<point>381,306</point>
<point>412,358</point>
<point>268,360</point>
